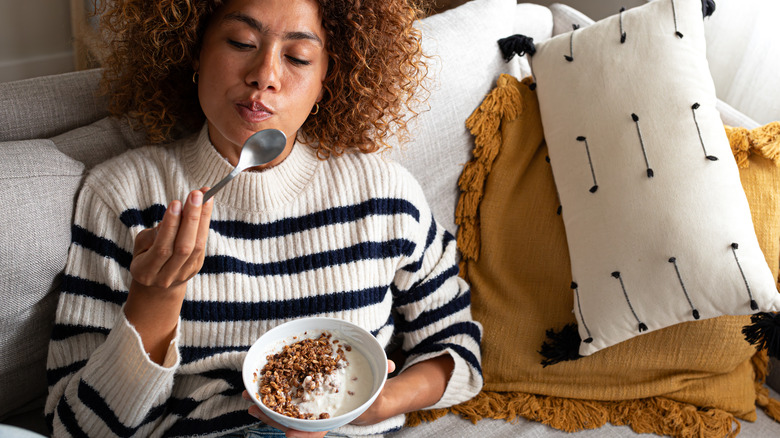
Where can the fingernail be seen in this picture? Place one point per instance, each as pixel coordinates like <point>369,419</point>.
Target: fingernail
<point>196,198</point>
<point>175,208</point>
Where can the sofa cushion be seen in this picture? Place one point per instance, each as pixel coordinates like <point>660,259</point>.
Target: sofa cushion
<point>39,188</point>
<point>656,219</point>
<point>94,143</point>
<point>680,380</point>
<point>463,65</point>
<point>49,105</point>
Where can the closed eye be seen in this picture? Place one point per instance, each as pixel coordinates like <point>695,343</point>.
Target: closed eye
<point>297,61</point>
<point>240,45</point>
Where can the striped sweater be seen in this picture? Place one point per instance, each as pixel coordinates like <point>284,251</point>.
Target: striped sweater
<point>351,237</point>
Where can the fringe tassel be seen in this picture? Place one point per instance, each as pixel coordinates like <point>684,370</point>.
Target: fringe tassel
<point>763,141</point>
<point>771,406</point>
<point>502,103</point>
<point>561,346</point>
<point>651,415</point>
<point>764,332</point>
<point>707,7</point>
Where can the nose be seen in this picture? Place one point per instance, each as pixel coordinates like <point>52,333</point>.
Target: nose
<point>265,72</point>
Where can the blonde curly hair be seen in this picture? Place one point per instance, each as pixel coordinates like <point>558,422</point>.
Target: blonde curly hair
<point>370,92</point>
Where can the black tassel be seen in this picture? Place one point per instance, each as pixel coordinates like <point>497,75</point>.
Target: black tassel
<point>516,45</point>
<point>561,346</point>
<point>707,7</point>
<point>764,332</point>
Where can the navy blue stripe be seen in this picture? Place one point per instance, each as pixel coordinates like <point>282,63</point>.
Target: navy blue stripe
<point>146,218</point>
<point>362,251</point>
<point>50,422</point>
<point>192,354</point>
<point>420,291</point>
<point>376,206</point>
<point>92,399</point>
<point>390,322</point>
<point>468,328</point>
<point>54,375</point>
<point>430,316</point>
<point>194,426</point>
<point>215,311</point>
<point>460,350</point>
<point>414,267</point>
<point>65,331</point>
<point>92,289</point>
<point>446,239</point>
<point>68,419</point>
<point>101,245</point>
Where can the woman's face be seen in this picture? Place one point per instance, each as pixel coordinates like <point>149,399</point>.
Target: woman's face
<point>261,65</point>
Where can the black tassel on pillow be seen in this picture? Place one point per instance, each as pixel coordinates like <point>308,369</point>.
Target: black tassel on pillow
<point>561,346</point>
<point>764,332</point>
<point>516,45</point>
<point>707,7</point>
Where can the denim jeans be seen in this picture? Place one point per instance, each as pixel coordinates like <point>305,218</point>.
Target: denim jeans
<point>264,431</point>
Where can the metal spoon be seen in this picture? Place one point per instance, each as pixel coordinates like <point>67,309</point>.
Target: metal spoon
<point>260,148</point>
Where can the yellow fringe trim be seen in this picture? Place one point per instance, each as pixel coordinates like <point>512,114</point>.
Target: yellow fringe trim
<point>650,415</point>
<point>763,141</point>
<point>502,103</point>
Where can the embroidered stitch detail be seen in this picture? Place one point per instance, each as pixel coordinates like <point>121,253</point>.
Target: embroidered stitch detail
<point>635,118</point>
<point>694,107</point>
<point>642,326</point>
<point>590,162</point>
<point>694,312</point>
<point>622,32</point>
<point>674,15</point>
<point>589,339</point>
<point>753,303</point>
<point>570,56</point>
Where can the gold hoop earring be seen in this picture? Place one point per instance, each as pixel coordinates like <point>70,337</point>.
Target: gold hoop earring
<point>195,77</point>
<point>316,108</point>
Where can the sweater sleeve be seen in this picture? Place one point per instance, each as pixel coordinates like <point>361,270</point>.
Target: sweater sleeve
<point>101,381</point>
<point>434,305</point>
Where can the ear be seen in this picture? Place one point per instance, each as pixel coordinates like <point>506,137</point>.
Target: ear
<point>195,64</point>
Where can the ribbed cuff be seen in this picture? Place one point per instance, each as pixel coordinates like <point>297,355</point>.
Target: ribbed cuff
<point>124,376</point>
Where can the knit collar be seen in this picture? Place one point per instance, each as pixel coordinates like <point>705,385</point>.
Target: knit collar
<point>255,191</point>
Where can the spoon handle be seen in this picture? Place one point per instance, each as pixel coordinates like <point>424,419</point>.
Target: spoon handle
<point>218,186</point>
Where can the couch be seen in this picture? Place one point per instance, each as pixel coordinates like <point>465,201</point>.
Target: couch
<point>54,129</point>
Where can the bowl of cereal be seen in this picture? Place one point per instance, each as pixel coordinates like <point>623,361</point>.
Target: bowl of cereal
<point>315,374</point>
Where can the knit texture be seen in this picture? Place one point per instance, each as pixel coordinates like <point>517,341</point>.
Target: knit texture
<point>351,237</point>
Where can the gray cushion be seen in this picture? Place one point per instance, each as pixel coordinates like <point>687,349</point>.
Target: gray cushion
<point>99,141</point>
<point>38,185</point>
<point>49,105</point>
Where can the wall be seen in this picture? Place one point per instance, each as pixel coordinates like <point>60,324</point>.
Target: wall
<point>595,9</point>
<point>35,38</point>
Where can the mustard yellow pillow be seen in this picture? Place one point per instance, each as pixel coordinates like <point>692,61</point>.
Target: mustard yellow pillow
<point>515,256</point>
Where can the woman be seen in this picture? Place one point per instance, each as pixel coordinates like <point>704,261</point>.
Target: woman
<point>162,298</point>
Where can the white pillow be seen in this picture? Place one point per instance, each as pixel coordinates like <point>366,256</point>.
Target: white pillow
<point>657,223</point>
<point>464,66</point>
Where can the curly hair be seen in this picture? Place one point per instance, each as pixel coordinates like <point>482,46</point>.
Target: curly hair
<point>370,91</point>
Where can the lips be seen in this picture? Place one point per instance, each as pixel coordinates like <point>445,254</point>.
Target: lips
<point>253,111</point>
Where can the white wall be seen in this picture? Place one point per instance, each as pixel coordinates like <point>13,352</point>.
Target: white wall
<point>35,38</point>
<point>595,9</point>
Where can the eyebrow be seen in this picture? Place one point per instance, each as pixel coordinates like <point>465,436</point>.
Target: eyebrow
<point>258,26</point>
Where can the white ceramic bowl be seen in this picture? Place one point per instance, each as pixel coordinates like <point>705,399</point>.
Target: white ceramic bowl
<point>272,342</point>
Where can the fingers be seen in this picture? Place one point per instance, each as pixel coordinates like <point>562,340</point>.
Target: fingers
<point>390,366</point>
<point>173,251</point>
<point>187,248</point>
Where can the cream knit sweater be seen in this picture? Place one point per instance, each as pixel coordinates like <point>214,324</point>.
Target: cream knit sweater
<point>351,237</point>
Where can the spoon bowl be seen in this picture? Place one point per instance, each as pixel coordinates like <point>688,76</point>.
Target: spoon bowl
<point>260,148</point>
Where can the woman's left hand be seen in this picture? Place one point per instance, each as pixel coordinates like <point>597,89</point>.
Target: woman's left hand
<point>418,387</point>
<point>290,433</point>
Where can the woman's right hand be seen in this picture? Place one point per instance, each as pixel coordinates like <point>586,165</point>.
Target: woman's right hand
<point>164,259</point>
